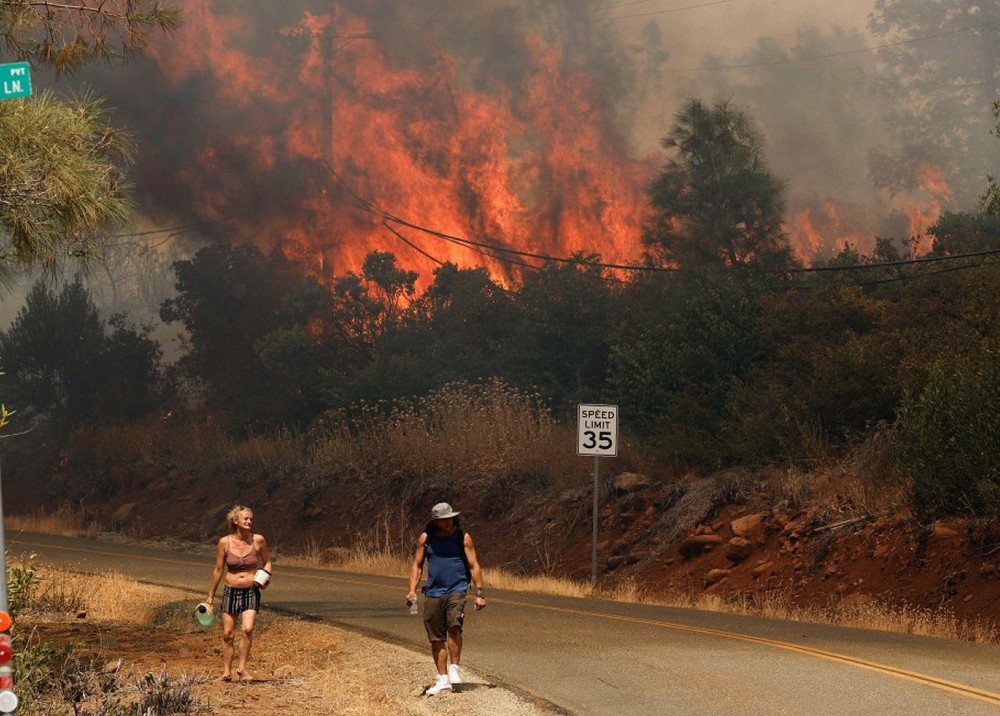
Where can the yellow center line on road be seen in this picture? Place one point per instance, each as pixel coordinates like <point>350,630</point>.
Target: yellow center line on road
<point>914,676</point>
<point>966,690</point>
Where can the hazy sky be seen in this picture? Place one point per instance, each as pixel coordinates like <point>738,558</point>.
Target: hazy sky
<point>807,70</point>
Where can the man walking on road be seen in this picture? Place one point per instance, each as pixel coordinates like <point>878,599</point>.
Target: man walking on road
<point>451,567</point>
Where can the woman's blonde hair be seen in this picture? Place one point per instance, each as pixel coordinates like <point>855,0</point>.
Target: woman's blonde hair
<point>233,514</point>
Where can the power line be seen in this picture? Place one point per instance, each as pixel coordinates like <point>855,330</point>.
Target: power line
<point>949,269</point>
<point>814,58</point>
<point>412,245</point>
<point>479,246</point>
<point>663,12</point>
<point>484,247</point>
<point>910,277</point>
<point>900,262</point>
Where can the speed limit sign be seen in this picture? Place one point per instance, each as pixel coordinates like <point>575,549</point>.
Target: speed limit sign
<point>597,430</point>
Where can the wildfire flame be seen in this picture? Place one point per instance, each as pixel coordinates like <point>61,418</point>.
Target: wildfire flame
<point>312,132</point>
<point>535,166</point>
<point>934,190</point>
<point>814,231</point>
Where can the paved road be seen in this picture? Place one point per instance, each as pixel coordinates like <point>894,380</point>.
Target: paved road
<point>597,657</point>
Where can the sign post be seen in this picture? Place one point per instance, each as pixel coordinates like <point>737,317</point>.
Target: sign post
<point>15,80</point>
<point>597,435</point>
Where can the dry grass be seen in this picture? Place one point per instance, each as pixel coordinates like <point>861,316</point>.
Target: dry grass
<point>138,638</point>
<point>108,597</point>
<point>461,429</point>
<point>907,619</point>
<point>864,482</point>
<point>203,446</point>
<point>480,433</point>
<point>875,615</point>
<point>67,521</point>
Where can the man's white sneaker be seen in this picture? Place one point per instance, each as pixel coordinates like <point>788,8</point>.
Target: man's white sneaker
<point>454,676</point>
<point>442,684</point>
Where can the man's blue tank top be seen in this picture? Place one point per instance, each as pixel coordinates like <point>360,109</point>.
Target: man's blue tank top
<point>445,564</point>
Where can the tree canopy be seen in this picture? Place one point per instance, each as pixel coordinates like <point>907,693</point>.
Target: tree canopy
<point>938,64</point>
<point>58,187</point>
<point>716,204</point>
<point>63,361</point>
<point>67,35</point>
<point>62,163</point>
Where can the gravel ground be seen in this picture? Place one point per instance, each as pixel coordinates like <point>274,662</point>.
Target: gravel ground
<point>298,667</point>
<point>340,672</point>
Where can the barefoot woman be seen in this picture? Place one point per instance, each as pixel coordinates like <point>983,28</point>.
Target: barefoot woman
<point>239,554</point>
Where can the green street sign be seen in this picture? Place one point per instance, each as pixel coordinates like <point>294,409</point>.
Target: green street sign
<point>15,80</point>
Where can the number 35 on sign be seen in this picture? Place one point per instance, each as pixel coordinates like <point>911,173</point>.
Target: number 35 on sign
<point>597,430</point>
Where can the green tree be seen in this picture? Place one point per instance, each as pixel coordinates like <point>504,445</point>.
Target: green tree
<point>989,200</point>
<point>366,305</point>
<point>134,384</point>
<point>961,233</point>
<point>678,349</point>
<point>51,353</point>
<point>948,439</point>
<point>392,284</point>
<point>67,35</point>
<point>229,299</point>
<point>61,360</point>
<point>829,371</point>
<point>716,204</point>
<point>59,186</point>
<point>563,317</point>
<point>939,67</point>
<point>456,330</point>
<point>298,356</point>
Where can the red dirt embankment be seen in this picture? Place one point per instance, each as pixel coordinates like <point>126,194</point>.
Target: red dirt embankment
<point>696,538</point>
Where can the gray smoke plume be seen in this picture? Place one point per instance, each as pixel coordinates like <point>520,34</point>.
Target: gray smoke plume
<point>244,128</point>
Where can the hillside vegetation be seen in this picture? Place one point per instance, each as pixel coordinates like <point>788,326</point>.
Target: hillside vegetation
<point>857,397</point>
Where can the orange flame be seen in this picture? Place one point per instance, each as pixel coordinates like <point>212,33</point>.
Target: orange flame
<point>813,232</point>
<point>535,166</point>
<point>935,190</point>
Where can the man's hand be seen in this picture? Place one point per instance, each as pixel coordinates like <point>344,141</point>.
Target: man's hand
<point>480,602</point>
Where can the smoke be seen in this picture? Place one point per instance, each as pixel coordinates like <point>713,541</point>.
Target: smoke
<point>531,124</point>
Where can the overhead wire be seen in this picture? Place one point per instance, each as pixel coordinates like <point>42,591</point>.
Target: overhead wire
<point>666,11</point>
<point>412,245</point>
<point>899,262</point>
<point>829,55</point>
<point>477,246</point>
<point>487,249</point>
<point>908,277</point>
<point>948,269</point>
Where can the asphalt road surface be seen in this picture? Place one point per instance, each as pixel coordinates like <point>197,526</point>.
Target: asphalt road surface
<point>596,657</point>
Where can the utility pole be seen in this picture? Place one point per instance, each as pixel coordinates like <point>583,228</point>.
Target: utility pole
<point>331,42</point>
